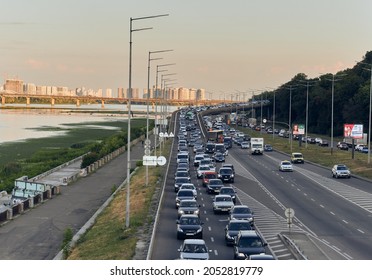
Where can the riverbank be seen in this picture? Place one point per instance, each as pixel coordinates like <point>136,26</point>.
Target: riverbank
<point>34,156</point>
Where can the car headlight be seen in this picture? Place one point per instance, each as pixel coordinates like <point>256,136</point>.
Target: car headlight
<point>179,229</point>
<point>196,212</point>
<point>199,230</point>
<point>181,212</point>
<point>232,175</point>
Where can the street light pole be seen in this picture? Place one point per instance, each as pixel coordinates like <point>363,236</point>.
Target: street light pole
<point>157,97</point>
<point>148,101</point>
<point>131,30</point>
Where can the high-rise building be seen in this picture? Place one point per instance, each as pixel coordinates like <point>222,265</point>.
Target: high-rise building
<point>200,94</point>
<point>109,92</point>
<point>183,93</point>
<point>14,85</point>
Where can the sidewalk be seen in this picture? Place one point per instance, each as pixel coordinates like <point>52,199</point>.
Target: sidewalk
<point>38,233</point>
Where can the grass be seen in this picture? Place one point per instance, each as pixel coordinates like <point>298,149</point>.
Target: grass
<point>108,239</point>
<point>317,154</point>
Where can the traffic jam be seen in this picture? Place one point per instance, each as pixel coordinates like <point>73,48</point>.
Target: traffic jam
<point>202,167</point>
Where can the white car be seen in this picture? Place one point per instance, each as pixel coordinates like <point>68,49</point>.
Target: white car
<point>244,145</point>
<point>340,171</point>
<point>201,169</point>
<point>222,203</point>
<point>285,165</point>
<point>194,249</point>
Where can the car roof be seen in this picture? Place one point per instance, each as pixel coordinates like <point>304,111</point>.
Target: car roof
<point>241,206</point>
<point>194,241</point>
<point>285,161</point>
<point>223,195</point>
<point>248,233</point>
<point>297,154</point>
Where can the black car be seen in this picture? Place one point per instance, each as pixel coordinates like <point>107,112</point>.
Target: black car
<point>229,165</point>
<point>210,148</point>
<point>189,226</point>
<point>184,194</point>
<point>248,242</point>
<point>230,191</point>
<point>232,229</point>
<point>214,186</point>
<point>178,181</point>
<point>226,174</point>
<point>219,157</point>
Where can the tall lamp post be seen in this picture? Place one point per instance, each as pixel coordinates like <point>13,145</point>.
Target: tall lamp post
<point>148,101</point>
<point>131,30</point>
<point>332,105</point>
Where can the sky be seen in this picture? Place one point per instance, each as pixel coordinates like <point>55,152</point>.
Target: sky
<point>224,47</point>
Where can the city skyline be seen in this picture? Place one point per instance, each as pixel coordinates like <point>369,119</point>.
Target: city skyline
<point>222,47</point>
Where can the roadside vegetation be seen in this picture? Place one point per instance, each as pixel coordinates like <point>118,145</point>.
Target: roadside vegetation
<point>35,156</point>
<point>108,239</point>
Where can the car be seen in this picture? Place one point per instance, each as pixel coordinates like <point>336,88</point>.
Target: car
<point>311,140</point>
<point>297,158</point>
<point>194,249</point>
<point>182,195</point>
<point>242,212</point>
<point>182,155</point>
<point>268,148</point>
<point>261,257</point>
<point>197,159</point>
<point>182,173</point>
<point>219,157</point>
<point>364,150</point>
<point>208,161</point>
<point>340,171</point>
<point>248,242</point>
<point>232,229</point>
<point>183,165</point>
<point>285,165</point>
<point>359,147</point>
<point>230,191</point>
<point>323,143</point>
<point>201,169</point>
<point>226,174</point>
<point>189,226</point>
<point>229,165</point>
<point>208,175</point>
<point>178,181</point>
<point>222,203</point>
<point>189,186</point>
<point>244,145</point>
<point>343,146</point>
<point>214,186</point>
<point>188,206</point>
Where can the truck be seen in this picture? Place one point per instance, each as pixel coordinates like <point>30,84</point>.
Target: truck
<point>215,136</point>
<point>360,141</point>
<point>257,146</point>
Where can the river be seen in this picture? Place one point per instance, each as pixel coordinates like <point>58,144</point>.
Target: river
<point>25,122</point>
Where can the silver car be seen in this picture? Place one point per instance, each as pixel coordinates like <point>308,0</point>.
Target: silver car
<point>194,249</point>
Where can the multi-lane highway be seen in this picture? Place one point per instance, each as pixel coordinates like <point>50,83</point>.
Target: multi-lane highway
<point>337,213</point>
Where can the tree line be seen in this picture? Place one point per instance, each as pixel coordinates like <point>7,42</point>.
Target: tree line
<point>351,98</point>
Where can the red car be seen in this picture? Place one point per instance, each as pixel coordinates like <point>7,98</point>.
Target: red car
<point>207,176</point>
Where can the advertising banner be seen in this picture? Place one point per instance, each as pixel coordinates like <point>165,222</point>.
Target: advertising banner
<point>353,131</point>
<point>298,129</point>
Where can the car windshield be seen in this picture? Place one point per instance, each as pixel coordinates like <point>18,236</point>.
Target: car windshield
<point>225,171</point>
<point>185,193</point>
<point>286,163</point>
<point>210,176</point>
<point>250,242</point>
<point>223,198</point>
<point>242,210</point>
<point>297,156</point>
<point>226,191</point>
<point>215,182</point>
<point>204,168</point>
<point>194,248</point>
<point>182,180</point>
<point>182,174</point>
<point>240,226</point>
<point>341,168</point>
<point>188,204</point>
<point>189,221</point>
<point>187,187</point>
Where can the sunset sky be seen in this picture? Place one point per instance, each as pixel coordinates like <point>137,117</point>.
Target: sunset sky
<point>221,46</point>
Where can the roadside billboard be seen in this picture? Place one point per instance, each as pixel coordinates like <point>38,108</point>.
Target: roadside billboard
<point>353,131</point>
<point>298,129</point>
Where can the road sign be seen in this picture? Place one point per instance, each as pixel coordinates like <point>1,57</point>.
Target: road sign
<point>289,213</point>
<point>147,141</point>
<point>147,152</point>
<point>162,160</point>
<point>166,134</point>
<point>149,160</point>
<point>171,135</point>
<point>161,134</point>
